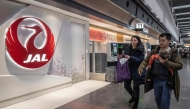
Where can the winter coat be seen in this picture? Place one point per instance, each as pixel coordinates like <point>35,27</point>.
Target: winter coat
<point>175,64</point>
<point>135,60</point>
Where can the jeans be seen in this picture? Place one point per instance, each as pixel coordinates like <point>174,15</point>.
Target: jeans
<point>135,92</point>
<point>162,93</point>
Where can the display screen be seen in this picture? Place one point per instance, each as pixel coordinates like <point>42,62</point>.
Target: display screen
<point>121,47</point>
<point>114,49</point>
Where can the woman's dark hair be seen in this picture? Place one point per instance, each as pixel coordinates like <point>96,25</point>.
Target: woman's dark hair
<point>139,42</point>
<point>138,38</point>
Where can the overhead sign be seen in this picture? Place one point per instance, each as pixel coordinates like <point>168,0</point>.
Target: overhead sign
<point>139,25</point>
<point>145,30</point>
<point>29,42</point>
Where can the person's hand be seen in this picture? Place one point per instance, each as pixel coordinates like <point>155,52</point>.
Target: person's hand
<point>140,72</point>
<point>119,56</point>
<point>162,60</point>
<point>127,56</point>
<point>149,66</point>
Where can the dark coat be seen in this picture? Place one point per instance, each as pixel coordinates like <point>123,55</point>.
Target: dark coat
<point>135,60</point>
<point>175,64</point>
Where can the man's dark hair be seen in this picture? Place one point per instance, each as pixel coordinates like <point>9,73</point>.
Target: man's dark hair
<point>167,35</point>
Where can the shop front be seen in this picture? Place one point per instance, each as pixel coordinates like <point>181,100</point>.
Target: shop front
<point>41,51</point>
<point>104,46</point>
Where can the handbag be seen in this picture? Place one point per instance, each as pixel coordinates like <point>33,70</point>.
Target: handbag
<point>122,72</point>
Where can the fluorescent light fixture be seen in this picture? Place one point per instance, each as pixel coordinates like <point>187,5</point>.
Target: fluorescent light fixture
<point>184,18</point>
<point>184,25</point>
<point>182,13</point>
<point>182,22</point>
<point>180,7</point>
<point>185,30</point>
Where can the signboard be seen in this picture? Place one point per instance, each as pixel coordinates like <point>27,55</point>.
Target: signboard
<point>29,42</point>
<point>139,25</point>
<point>145,30</point>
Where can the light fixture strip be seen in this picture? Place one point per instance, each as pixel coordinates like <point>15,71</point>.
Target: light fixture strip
<point>184,29</point>
<point>182,22</point>
<point>184,25</point>
<point>180,7</point>
<point>183,18</point>
<point>182,13</point>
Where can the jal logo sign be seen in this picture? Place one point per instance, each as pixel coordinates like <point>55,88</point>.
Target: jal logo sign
<point>29,42</point>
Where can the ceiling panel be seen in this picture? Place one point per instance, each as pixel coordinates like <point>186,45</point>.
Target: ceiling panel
<point>183,6</point>
<point>187,20</point>
<point>180,2</point>
<point>186,41</point>
<point>183,16</point>
<point>183,10</point>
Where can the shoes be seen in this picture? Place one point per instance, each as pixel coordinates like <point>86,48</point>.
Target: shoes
<point>136,102</point>
<point>132,99</point>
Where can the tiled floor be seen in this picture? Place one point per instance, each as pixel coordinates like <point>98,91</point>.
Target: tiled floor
<point>114,96</point>
<point>60,97</point>
<point>108,96</point>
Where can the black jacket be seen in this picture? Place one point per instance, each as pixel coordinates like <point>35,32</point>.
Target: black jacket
<point>135,60</point>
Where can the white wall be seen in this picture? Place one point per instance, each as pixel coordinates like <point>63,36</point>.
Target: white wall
<point>100,47</point>
<point>162,10</point>
<point>18,81</point>
<point>153,42</point>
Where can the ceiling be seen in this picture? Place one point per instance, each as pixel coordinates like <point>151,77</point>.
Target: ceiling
<point>182,15</point>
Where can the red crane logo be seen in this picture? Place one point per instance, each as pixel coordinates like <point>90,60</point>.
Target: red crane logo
<point>29,56</point>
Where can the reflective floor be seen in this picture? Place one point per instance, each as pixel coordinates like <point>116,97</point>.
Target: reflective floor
<point>114,96</point>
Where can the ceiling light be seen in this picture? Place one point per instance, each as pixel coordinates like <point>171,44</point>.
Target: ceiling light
<point>180,7</point>
<point>184,30</point>
<point>182,22</point>
<point>182,13</point>
<point>183,18</point>
<point>184,25</point>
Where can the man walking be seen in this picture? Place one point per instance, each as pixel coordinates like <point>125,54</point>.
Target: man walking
<point>158,76</point>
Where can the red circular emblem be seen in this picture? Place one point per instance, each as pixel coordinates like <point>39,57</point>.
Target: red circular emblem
<point>29,56</point>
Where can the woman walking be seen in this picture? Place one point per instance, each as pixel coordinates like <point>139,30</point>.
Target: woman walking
<point>135,55</point>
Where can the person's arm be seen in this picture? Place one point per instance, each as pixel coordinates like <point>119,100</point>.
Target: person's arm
<point>138,59</point>
<point>151,59</point>
<point>125,53</point>
<point>144,64</point>
<point>176,65</point>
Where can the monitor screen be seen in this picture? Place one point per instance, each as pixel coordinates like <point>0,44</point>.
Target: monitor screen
<point>113,49</point>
